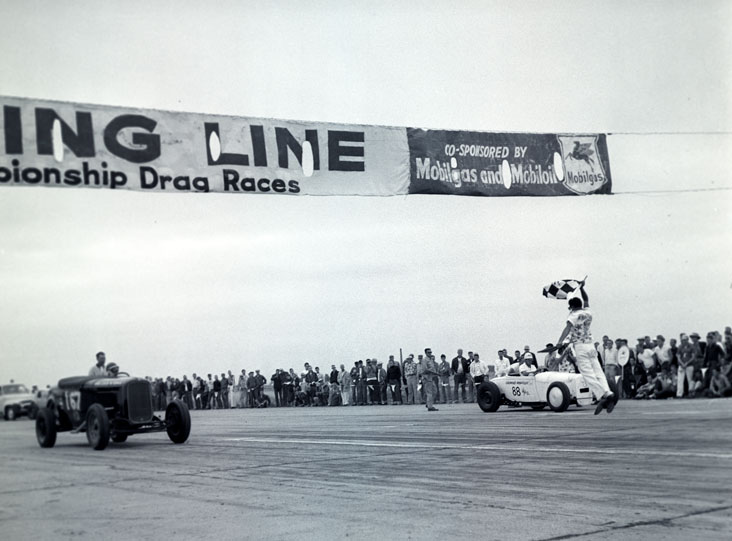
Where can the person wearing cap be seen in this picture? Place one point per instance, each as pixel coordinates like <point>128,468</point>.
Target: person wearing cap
<point>112,370</point>
<point>578,331</point>
<point>98,369</point>
<point>528,355</point>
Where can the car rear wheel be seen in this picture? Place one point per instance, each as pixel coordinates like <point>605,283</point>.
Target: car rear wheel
<point>177,421</point>
<point>97,427</point>
<point>489,396</point>
<point>46,428</point>
<point>557,396</point>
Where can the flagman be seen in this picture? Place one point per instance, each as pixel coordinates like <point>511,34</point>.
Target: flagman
<point>578,330</point>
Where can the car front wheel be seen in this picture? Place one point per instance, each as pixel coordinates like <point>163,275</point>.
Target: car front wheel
<point>97,427</point>
<point>11,413</point>
<point>46,428</point>
<point>489,396</point>
<point>177,421</point>
<point>557,396</point>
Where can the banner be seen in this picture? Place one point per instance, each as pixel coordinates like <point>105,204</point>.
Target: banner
<point>61,144</point>
<point>47,143</point>
<point>507,164</point>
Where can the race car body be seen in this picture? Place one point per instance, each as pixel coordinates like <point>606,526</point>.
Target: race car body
<point>107,408</point>
<point>554,389</point>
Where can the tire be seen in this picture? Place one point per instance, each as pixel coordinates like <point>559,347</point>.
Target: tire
<point>33,412</point>
<point>177,421</point>
<point>489,396</point>
<point>119,438</point>
<point>11,413</point>
<point>97,427</point>
<point>46,428</point>
<point>557,396</point>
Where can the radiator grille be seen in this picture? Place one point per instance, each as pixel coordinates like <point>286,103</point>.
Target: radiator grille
<point>139,402</point>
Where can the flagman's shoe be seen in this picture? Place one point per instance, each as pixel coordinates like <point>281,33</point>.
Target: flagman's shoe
<point>610,403</point>
<point>432,409</point>
<point>601,404</point>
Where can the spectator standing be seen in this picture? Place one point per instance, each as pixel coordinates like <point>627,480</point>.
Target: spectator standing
<point>411,380</point>
<point>502,364</point>
<point>241,401</point>
<point>224,391</point>
<point>685,371</point>
<point>469,383</point>
<point>381,381</point>
<point>98,369</point>
<point>354,384</point>
<point>476,370</point>
<point>460,367</point>
<point>662,353</point>
<point>645,355</point>
<point>344,381</point>
<point>187,392</point>
<point>277,387</point>
<point>428,369</point>
<point>445,374</point>
<point>372,381</point>
<point>610,359</point>
<point>217,392</point>
<point>713,356</point>
<point>394,380</point>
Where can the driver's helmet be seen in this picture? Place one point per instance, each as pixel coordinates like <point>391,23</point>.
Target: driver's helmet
<point>112,369</point>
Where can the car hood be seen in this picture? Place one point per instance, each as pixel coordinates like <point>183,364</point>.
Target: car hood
<point>16,397</point>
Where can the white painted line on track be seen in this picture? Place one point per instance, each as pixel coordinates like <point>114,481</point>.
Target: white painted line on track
<point>415,445</point>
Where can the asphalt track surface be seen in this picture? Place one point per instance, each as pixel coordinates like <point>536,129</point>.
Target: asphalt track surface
<point>650,470</point>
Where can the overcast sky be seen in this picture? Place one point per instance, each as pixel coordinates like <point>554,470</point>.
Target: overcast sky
<point>169,284</point>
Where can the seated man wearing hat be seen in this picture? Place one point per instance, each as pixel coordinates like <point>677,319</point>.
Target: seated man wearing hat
<point>112,370</point>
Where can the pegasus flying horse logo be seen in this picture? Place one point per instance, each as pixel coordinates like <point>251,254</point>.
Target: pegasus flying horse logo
<point>583,171</point>
<point>582,151</point>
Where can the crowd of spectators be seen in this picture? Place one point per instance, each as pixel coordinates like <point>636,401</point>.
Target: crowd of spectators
<point>687,367</point>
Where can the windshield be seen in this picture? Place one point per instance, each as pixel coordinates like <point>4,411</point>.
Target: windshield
<point>15,388</point>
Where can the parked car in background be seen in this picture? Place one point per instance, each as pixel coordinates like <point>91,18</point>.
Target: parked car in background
<point>17,400</point>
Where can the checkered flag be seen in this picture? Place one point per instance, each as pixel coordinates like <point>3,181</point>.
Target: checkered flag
<point>561,289</point>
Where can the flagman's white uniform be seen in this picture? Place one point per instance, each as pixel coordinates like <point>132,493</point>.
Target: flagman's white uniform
<point>585,352</point>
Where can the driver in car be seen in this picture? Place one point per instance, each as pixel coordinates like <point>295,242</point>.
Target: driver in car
<point>112,370</point>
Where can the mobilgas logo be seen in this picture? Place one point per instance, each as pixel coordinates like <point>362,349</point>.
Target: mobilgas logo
<point>583,170</point>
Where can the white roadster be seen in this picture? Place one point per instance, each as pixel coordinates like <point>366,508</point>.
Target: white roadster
<point>554,389</point>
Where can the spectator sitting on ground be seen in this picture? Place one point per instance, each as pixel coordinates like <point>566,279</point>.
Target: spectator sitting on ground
<point>719,385</point>
<point>696,385</point>
<point>665,386</point>
<point>646,390</point>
